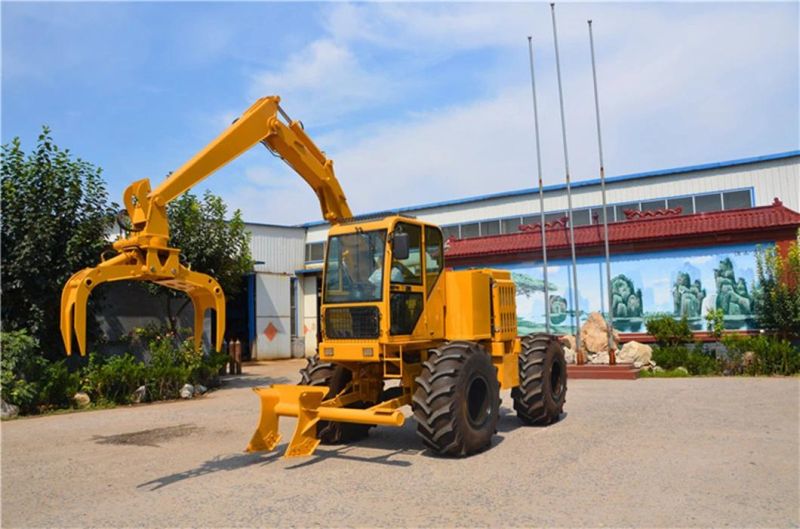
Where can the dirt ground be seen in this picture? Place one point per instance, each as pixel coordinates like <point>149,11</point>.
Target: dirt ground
<point>655,453</point>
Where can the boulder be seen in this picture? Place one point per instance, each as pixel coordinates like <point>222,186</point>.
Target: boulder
<point>81,399</point>
<point>599,358</point>
<point>682,369</point>
<point>187,391</point>
<point>8,411</point>
<point>568,340</point>
<point>594,334</point>
<point>139,394</point>
<point>200,389</point>
<point>748,359</point>
<point>633,352</point>
<point>569,355</point>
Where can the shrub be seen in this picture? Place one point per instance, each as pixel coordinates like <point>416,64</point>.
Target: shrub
<point>114,379</point>
<point>58,385</point>
<point>770,355</point>
<point>22,369</point>
<point>715,320</point>
<point>695,360</point>
<point>668,331</point>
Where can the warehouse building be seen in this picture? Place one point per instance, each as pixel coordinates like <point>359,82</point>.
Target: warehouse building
<point>683,240</point>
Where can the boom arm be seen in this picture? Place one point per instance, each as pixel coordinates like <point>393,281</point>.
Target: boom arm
<point>146,256</point>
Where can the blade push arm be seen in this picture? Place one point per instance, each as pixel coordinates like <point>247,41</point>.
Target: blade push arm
<point>145,254</point>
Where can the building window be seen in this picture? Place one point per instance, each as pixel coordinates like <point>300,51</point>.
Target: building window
<point>653,205</point>
<point>597,214</point>
<point>491,227</point>
<point>315,251</point>
<point>685,203</point>
<point>469,230</point>
<point>531,220</point>
<point>737,200</point>
<point>552,217</point>
<point>622,208</point>
<point>450,231</point>
<point>581,217</point>
<point>511,225</point>
<point>293,316</point>
<point>708,203</point>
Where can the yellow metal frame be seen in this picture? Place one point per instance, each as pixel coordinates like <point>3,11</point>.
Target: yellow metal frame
<point>146,255</point>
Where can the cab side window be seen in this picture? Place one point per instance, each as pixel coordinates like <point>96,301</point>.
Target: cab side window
<point>434,256</point>
<point>409,271</point>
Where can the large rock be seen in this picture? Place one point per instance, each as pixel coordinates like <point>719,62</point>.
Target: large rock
<point>569,355</point>
<point>598,358</point>
<point>633,352</point>
<point>187,391</point>
<point>81,399</point>
<point>568,340</point>
<point>8,411</point>
<point>199,389</point>
<point>139,394</point>
<point>594,334</point>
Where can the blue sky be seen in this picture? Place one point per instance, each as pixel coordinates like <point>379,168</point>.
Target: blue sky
<point>415,102</point>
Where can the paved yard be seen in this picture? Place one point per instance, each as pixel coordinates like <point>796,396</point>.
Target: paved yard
<point>656,453</point>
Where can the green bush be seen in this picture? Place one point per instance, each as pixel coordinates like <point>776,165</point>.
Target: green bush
<point>58,385</point>
<point>770,355</point>
<point>22,369</point>
<point>114,379</point>
<point>695,360</point>
<point>668,331</point>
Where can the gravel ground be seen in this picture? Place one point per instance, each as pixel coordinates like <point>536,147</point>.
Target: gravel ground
<point>656,453</point>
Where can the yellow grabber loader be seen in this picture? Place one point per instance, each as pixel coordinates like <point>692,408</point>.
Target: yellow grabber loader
<point>398,328</point>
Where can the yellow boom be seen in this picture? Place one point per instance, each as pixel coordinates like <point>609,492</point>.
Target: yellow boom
<point>146,255</point>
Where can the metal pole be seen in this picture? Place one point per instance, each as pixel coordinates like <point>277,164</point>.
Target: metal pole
<point>603,193</point>
<point>541,192</point>
<point>575,305</point>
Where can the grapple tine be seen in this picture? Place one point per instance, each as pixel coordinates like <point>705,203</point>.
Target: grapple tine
<point>305,441</point>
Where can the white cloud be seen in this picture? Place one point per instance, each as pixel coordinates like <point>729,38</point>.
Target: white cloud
<point>679,84</point>
<point>327,76</point>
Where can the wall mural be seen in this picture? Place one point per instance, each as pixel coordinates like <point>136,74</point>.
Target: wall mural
<point>676,282</point>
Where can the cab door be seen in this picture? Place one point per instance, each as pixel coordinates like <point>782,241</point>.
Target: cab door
<point>407,286</point>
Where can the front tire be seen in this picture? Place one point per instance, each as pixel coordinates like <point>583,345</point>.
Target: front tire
<point>539,399</point>
<point>457,400</point>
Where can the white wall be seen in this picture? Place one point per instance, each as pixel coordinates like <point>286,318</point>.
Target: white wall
<point>272,308</point>
<point>768,179</point>
<point>310,314</point>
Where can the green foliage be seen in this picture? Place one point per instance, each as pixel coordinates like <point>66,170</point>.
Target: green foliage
<point>761,355</point>
<point>671,373</point>
<point>35,385</point>
<point>668,331</point>
<point>55,221</point>
<point>22,368</point>
<point>715,319</point>
<point>777,301</point>
<point>695,360</point>
<point>212,244</point>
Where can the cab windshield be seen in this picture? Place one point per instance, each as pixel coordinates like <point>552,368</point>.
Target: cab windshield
<point>354,267</point>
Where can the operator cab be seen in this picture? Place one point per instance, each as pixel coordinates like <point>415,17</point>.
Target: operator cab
<point>379,277</point>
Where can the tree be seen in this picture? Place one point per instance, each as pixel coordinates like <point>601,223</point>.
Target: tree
<point>209,243</point>
<point>777,300</point>
<point>56,220</point>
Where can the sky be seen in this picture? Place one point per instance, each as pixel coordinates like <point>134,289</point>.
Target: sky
<point>414,102</point>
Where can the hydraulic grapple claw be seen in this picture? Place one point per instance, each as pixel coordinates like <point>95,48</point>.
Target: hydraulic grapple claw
<point>140,265</point>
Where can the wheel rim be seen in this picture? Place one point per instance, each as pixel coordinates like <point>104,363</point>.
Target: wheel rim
<point>478,403</point>
<point>557,380</point>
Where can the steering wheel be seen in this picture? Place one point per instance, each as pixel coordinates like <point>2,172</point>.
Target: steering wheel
<point>407,273</point>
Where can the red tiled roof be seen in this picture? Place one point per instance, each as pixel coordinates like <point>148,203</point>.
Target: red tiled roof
<point>669,228</point>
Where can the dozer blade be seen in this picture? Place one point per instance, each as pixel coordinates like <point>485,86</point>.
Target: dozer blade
<point>305,403</point>
<point>203,290</point>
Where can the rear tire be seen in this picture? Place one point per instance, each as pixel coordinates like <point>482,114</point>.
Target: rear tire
<point>539,399</point>
<point>457,400</point>
<point>335,377</point>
